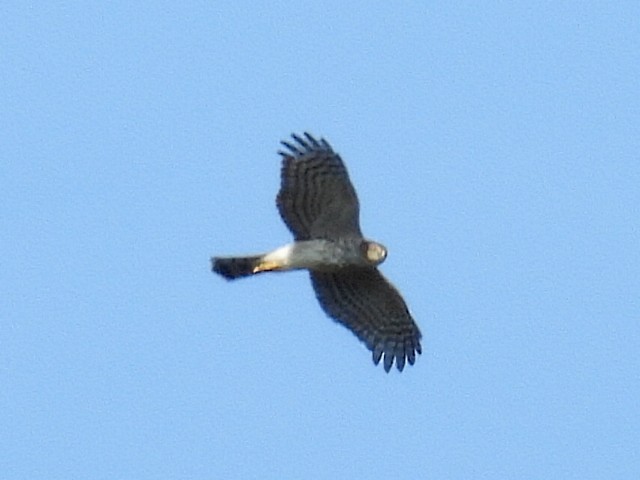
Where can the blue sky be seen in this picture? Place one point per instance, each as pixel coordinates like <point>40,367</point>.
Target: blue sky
<point>494,147</point>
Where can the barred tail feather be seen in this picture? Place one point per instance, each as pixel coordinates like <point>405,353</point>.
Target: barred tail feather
<point>235,267</point>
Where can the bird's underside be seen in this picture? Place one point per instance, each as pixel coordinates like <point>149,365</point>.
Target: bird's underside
<point>319,205</point>
<point>319,255</point>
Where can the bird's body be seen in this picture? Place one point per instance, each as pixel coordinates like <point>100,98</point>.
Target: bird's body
<point>319,205</point>
<point>320,255</point>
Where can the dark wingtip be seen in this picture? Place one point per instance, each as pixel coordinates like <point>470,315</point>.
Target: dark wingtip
<point>400,361</point>
<point>401,355</point>
<point>376,354</point>
<point>301,141</point>
<point>290,147</point>
<point>308,143</point>
<point>388,361</point>
<point>312,140</point>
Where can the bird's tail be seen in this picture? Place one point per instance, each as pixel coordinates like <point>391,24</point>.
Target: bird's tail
<point>236,267</point>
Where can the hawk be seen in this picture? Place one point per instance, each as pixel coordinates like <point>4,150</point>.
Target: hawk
<point>319,205</point>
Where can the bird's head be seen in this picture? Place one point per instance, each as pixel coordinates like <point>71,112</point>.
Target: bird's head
<point>373,252</point>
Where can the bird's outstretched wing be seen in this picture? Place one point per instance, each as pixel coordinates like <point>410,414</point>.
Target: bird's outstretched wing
<point>367,304</point>
<point>316,197</point>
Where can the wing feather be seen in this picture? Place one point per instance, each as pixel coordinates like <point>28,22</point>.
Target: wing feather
<point>316,197</point>
<point>366,303</point>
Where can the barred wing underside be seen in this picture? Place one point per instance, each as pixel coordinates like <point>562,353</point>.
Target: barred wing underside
<point>367,304</point>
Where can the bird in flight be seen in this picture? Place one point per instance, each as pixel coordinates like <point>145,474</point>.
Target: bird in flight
<point>320,207</point>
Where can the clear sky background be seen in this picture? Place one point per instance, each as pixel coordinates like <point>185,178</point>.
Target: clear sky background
<point>495,149</point>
